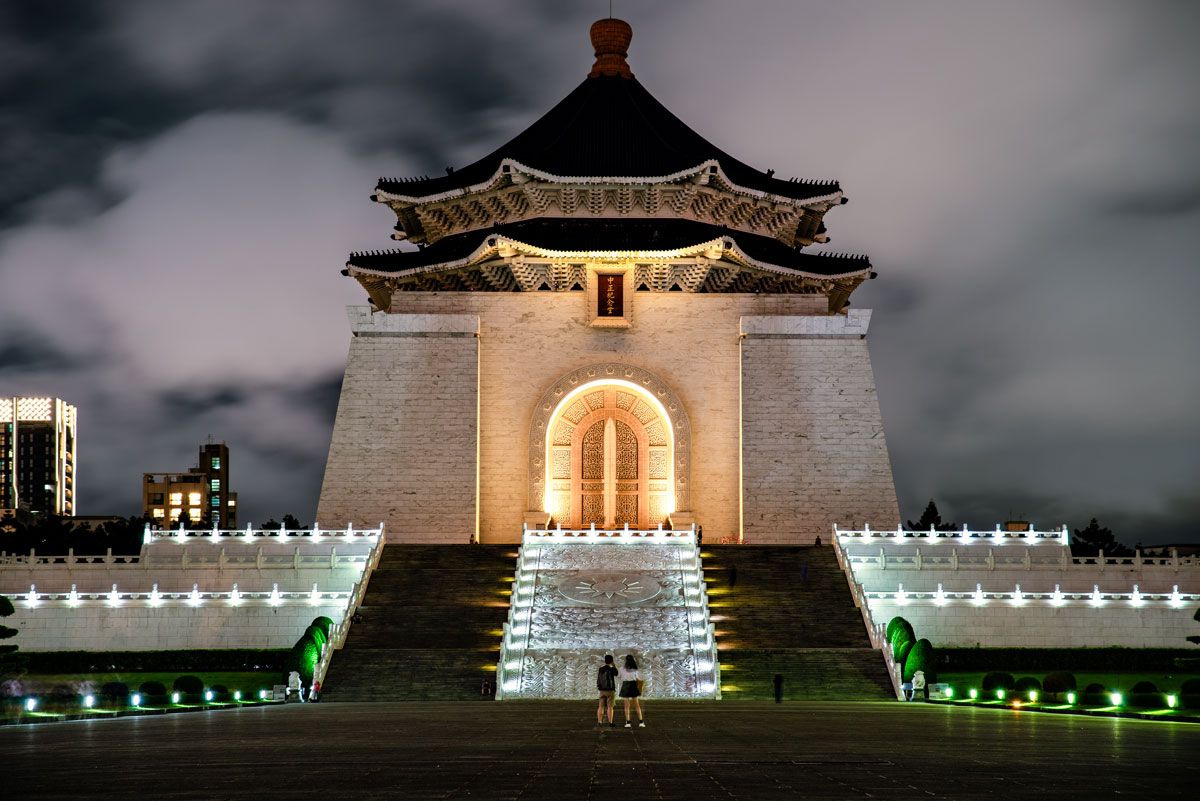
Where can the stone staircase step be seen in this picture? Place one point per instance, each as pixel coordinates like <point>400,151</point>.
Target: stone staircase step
<point>432,625</point>
<point>788,611</point>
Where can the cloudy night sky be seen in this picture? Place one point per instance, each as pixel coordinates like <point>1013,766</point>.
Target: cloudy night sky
<point>181,183</point>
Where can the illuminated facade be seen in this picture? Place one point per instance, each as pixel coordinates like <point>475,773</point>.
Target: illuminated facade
<point>608,321</point>
<point>200,497</point>
<point>37,455</point>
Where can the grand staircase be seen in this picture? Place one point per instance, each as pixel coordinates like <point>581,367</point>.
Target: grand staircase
<point>773,615</point>
<point>431,627</point>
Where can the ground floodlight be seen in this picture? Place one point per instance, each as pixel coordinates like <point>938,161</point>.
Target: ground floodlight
<point>973,693</point>
<point>1000,693</point>
<point>262,694</point>
<point>1070,698</point>
<point>1171,701</point>
<point>1033,696</point>
<point>237,695</point>
<point>30,704</point>
<point>174,698</point>
<point>949,692</point>
<point>89,701</point>
<point>1115,698</point>
<point>208,695</point>
<point>135,699</point>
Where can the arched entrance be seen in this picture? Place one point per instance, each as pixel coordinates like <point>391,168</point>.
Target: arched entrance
<point>610,446</point>
<point>613,447</point>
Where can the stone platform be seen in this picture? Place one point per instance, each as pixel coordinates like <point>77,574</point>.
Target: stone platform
<point>552,750</point>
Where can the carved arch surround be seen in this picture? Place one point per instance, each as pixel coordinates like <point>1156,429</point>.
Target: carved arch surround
<point>607,373</point>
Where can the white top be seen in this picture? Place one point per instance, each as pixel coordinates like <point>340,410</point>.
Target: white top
<point>627,675</point>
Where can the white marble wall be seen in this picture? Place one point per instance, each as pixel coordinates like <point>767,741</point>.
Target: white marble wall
<point>210,567</point>
<point>1157,615</point>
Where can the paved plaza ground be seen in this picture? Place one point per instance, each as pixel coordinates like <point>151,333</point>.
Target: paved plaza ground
<point>552,750</point>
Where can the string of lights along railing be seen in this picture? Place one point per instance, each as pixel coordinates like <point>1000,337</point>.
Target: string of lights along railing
<point>1060,559</point>
<point>182,533</point>
<point>998,535</point>
<point>235,596</point>
<point>1017,596</point>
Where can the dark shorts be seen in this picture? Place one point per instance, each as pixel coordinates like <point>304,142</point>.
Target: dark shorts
<point>629,689</point>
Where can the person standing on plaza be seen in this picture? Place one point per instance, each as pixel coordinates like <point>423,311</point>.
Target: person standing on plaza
<point>606,683</point>
<point>631,689</point>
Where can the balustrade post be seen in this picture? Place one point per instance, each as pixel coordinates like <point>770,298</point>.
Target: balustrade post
<point>258,559</point>
<point>333,558</point>
<point>183,560</point>
<point>1028,560</point>
<point>222,560</point>
<point>991,559</point>
<point>918,557</point>
<point>954,558</point>
<point>882,559</point>
<point>108,560</point>
<point>296,559</point>
<point>1101,559</point>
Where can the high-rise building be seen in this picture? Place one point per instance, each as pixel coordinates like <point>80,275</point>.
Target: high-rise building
<point>37,455</point>
<point>200,497</point>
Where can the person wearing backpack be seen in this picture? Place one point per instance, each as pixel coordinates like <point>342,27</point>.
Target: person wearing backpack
<point>606,683</point>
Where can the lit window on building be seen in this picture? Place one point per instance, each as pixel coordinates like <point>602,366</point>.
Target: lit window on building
<point>214,500</point>
<point>194,514</point>
<point>176,498</point>
<point>158,513</point>
<point>232,503</point>
<point>216,516</point>
<point>216,463</point>
<point>175,513</point>
<point>215,485</point>
<point>193,499</point>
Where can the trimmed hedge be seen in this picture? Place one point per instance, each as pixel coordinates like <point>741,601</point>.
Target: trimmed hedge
<point>241,659</point>
<point>901,651</point>
<point>324,624</point>
<point>900,630</point>
<point>316,635</point>
<point>1059,682</point>
<point>303,659</point>
<point>115,689</point>
<point>1073,660</point>
<point>153,689</point>
<point>189,685</point>
<point>1027,683</point>
<point>998,681</point>
<point>922,657</point>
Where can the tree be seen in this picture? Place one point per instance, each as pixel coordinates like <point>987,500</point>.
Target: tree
<point>10,663</point>
<point>1093,539</point>
<point>1194,638</point>
<point>931,518</point>
<point>291,523</point>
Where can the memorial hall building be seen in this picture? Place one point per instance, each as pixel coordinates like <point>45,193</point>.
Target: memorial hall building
<point>608,321</point>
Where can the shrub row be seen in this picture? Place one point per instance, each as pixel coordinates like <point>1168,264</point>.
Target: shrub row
<point>909,652</point>
<point>1056,685</point>
<point>155,661</point>
<point>1095,660</point>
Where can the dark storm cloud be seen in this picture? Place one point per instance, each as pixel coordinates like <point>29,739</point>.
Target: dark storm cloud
<point>1025,177</point>
<point>22,352</point>
<point>184,403</point>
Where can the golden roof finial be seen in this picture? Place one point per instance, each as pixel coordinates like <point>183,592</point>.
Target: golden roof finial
<point>610,40</point>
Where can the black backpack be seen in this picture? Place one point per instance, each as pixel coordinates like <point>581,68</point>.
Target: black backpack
<point>604,680</point>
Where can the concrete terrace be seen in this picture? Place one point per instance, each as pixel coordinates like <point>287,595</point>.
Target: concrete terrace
<point>552,750</point>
